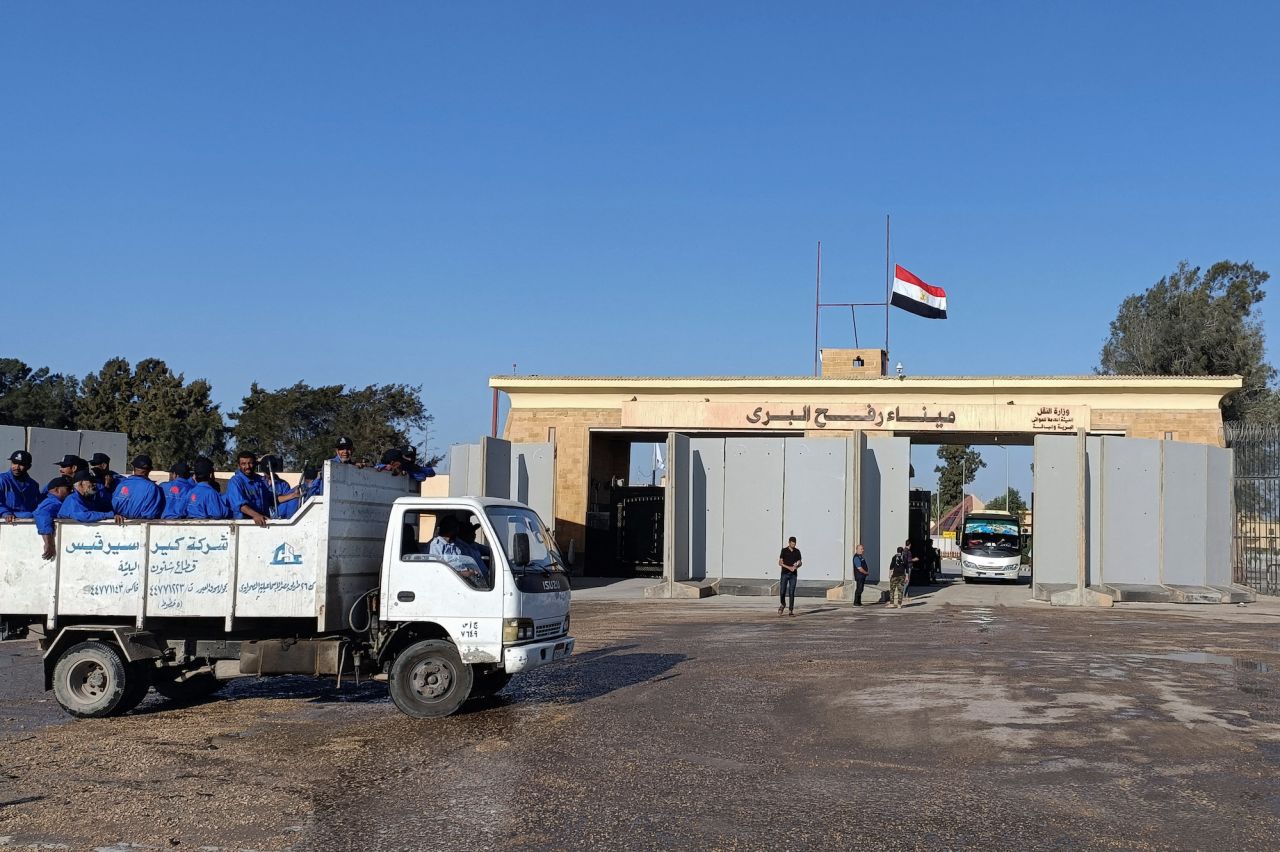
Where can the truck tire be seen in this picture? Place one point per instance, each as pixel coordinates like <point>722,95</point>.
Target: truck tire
<point>429,680</point>
<point>489,683</point>
<point>137,684</point>
<point>93,679</point>
<point>196,688</point>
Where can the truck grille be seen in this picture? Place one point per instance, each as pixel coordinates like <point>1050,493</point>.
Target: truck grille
<point>546,631</point>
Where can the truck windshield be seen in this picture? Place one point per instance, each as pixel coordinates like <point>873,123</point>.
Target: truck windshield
<point>991,538</point>
<point>508,521</point>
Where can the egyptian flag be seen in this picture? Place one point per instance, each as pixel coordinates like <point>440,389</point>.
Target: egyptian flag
<point>912,294</point>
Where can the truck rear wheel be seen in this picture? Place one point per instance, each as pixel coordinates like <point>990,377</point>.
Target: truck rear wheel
<point>429,680</point>
<point>93,679</point>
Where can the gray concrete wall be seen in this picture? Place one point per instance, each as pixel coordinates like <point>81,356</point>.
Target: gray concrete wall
<point>1131,511</point>
<point>114,444</point>
<point>533,478</point>
<point>813,508</point>
<point>706,532</point>
<point>1158,513</point>
<point>47,446</point>
<point>753,507</point>
<point>1220,516</point>
<point>13,438</point>
<point>1055,485</point>
<point>1184,532</point>
<point>676,556</point>
<point>495,455</point>
<point>886,479</point>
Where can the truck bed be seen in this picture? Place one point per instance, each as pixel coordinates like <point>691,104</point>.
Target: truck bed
<point>312,566</point>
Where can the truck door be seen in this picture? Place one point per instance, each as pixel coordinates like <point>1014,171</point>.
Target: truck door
<point>434,574</point>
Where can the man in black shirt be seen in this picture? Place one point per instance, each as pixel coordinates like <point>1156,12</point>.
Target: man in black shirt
<point>789,561</point>
<point>860,574</point>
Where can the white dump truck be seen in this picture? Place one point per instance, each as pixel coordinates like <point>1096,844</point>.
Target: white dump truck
<point>347,588</point>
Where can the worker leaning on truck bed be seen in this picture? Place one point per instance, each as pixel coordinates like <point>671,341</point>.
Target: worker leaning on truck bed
<point>79,505</point>
<point>47,512</point>
<point>19,493</point>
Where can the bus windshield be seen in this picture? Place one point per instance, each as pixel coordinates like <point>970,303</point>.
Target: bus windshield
<point>992,537</point>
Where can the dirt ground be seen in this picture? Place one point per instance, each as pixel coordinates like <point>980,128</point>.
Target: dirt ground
<point>705,726</point>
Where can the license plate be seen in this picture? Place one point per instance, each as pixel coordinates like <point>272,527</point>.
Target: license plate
<point>559,651</point>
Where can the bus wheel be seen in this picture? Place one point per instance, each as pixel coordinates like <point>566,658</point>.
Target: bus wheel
<point>92,679</point>
<point>429,680</point>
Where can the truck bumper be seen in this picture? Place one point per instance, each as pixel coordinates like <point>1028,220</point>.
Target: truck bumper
<point>521,658</point>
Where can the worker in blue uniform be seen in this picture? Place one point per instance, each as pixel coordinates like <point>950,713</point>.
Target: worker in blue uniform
<point>312,485</point>
<point>287,498</point>
<point>78,505</point>
<point>100,467</point>
<point>137,497</point>
<point>247,493</point>
<point>47,512</point>
<point>71,465</point>
<point>411,468</point>
<point>204,502</point>
<point>344,452</point>
<point>176,490</point>
<point>19,493</point>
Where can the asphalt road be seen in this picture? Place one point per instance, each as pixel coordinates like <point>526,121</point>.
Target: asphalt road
<point>719,727</point>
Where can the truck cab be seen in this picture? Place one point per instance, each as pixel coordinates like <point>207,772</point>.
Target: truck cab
<point>484,574</point>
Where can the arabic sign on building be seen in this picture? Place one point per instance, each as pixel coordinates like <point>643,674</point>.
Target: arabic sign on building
<point>818,416</point>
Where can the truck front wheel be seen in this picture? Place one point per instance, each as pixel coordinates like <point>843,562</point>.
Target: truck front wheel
<point>93,679</point>
<point>429,680</point>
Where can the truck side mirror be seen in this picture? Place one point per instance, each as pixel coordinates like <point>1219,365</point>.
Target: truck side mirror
<point>520,549</point>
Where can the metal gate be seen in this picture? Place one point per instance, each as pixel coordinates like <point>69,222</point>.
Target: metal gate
<point>1257,499</point>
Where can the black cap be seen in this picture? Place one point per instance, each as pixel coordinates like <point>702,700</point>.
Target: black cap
<point>202,467</point>
<point>272,463</point>
<point>71,461</point>
<point>344,443</point>
<point>21,457</point>
<point>181,469</point>
<point>409,453</point>
<point>83,476</point>
<point>100,458</point>
<point>142,462</point>
<point>58,482</point>
<point>392,456</point>
<point>310,472</point>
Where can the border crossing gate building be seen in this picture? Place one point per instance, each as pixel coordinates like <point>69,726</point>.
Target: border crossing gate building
<point>1131,480</point>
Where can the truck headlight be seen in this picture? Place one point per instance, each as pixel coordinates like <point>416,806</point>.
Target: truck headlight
<point>517,629</point>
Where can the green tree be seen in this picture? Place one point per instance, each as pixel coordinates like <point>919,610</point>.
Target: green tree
<point>959,467</point>
<point>36,397</point>
<point>1193,324</point>
<point>1015,503</point>
<point>300,423</point>
<point>163,415</point>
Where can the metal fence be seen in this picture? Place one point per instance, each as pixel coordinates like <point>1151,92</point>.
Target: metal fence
<point>1257,498</point>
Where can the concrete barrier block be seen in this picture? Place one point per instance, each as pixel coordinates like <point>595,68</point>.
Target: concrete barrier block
<point>1075,596</point>
<point>1137,592</point>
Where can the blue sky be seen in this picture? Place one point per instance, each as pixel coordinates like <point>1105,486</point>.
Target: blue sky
<point>415,192</point>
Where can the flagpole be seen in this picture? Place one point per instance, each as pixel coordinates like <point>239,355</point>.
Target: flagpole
<point>888,293</point>
<point>817,303</point>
